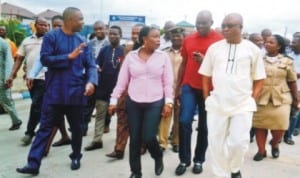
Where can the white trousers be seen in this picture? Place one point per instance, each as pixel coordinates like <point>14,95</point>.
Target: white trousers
<point>228,141</point>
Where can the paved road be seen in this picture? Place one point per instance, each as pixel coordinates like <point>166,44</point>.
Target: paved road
<point>96,165</point>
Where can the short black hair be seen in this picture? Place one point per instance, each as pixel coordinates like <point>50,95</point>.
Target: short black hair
<point>281,42</point>
<point>144,32</point>
<point>297,38</point>
<point>69,11</point>
<point>118,28</point>
<point>38,19</point>
<point>139,25</point>
<point>252,35</point>
<point>60,17</point>
<point>296,34</point>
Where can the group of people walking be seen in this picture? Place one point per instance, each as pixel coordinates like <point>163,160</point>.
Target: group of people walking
<point>232,84</point>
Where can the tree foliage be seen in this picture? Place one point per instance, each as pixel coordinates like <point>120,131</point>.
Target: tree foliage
<point>13,30</point>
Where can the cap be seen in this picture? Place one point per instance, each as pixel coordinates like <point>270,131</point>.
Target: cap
<point>176,29</point>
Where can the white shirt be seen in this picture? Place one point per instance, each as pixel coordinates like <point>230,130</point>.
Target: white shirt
<point>96,46</point>
<point>30,48</point>
<point>164,43</point>
<point>233,68</point>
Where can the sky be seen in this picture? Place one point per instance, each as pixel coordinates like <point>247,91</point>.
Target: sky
<point>282,17</point>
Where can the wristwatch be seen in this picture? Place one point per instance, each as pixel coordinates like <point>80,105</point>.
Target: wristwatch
<point>170,105</point>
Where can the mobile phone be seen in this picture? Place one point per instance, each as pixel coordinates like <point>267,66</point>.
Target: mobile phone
<point>196,53</point>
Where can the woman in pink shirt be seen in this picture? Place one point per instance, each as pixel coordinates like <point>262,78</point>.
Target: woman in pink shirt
<point>147,72</point>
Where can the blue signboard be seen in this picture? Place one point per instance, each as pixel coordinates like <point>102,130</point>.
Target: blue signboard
<point>126,22</point>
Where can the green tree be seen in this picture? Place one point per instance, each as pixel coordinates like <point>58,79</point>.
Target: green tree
<point>13,31</point>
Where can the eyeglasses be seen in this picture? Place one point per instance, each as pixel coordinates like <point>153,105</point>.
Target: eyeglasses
<point>229,25</point>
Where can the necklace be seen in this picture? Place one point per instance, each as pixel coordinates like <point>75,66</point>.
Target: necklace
<point>230,59</point>
<point>114,61</point>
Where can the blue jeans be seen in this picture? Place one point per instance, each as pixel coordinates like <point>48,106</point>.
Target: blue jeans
<point>293,122</point>
<point>297,126</point>
<point>143,120</point>
<point>190,98</point>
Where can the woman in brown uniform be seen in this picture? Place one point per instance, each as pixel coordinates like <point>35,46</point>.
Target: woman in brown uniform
<point>278,95</point>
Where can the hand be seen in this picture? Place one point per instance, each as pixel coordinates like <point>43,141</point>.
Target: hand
<point>295,104</point>
<point>177,102</point>
<point>77,51</point>
<point>9,83</point>
<point>89,89</point>
<point>198,57</point>
<point>29,83</point>
<point>112,109</point>
<point>24,68</point>
<point>128,47</point>
<point>167,111</point>
<point>177,91</point>
<point>177,96</point>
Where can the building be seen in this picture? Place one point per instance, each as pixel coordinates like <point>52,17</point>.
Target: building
<point>48,14</point>
<point>9,11</point>
<point>189,28</point>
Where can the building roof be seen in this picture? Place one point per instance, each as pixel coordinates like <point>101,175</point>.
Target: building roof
<point>48,14</point>
<point>19,12</point>
<point>184,24</point>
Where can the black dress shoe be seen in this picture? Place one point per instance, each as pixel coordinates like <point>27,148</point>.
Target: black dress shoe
<point>289,141</point>
<point>175,148</point>
<point>181,168</point>
<point>93,146</point>
<point>15,126</point>
<point>197,169</point>
<point>75,164</point>
<point>258,156</point>
<point>46,153</point>
<point>28,170</point>
<point>296,132</point>
<point>275,152</point>
<point>116,154</point>
<point>62,142</point>
<point>133,175</point>
<point>236,175</point>
<point>159,166</point>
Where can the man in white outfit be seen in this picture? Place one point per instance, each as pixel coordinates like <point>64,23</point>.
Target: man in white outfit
<point>235,69</point>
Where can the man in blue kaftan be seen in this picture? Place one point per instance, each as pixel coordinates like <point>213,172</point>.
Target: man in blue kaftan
<point>71,77</point>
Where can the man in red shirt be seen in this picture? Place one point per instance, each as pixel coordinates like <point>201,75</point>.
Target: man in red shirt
<point>193,50</point>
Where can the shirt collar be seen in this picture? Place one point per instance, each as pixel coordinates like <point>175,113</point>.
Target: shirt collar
<point>137,50</point>
<point>33,36</point>
<point>175,50</point>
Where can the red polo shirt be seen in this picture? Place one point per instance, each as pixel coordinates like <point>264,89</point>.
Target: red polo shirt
<point>196,43</point>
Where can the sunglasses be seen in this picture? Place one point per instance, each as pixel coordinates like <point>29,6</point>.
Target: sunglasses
<point>229,25</point>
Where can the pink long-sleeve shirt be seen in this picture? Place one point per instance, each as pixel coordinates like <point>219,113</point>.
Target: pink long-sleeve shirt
<point>147,81</point>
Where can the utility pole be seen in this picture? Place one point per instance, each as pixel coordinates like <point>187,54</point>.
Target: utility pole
<point>285,31</point>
